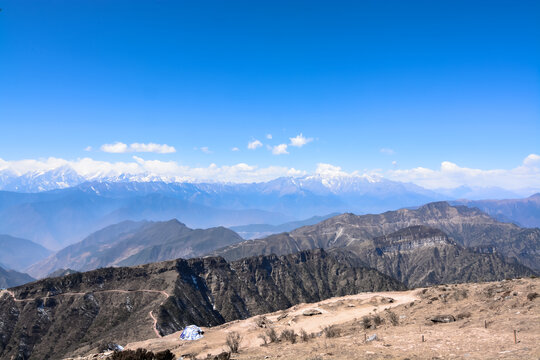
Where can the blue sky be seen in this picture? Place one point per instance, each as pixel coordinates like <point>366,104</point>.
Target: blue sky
<point>432,81</point>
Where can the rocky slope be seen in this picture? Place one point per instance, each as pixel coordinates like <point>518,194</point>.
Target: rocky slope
<point>74,314</point>
<point>468,227</point>
<point>423,256</point>
<point>10,278</point>
<point>134,243</point>
<point>483,317</point>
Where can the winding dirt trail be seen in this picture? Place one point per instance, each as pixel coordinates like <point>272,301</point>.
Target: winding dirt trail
<point>154,319</point>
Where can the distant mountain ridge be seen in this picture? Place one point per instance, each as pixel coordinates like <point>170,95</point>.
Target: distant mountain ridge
<point>11,278</point>
<point>524,212</point>
<point>90,206</point>
<point>468,227</point>
<point>254,231</point>
<point>133,243</point>
<point>18,254</point>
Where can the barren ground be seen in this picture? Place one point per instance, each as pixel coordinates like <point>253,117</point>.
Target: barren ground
<point>486,316</point>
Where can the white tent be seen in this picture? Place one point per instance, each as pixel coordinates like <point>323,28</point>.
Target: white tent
<point>191,332</point>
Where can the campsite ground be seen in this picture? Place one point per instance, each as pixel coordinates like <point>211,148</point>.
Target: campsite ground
<point>486,316</point>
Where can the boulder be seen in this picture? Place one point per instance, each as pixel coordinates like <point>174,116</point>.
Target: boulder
<point>443,319</point>
<point>311,312</point>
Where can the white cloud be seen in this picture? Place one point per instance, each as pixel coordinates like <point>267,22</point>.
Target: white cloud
<point>252,145</point>
<point>448,175</point>
<point>206,150</point>
<point>153,148</point>
<point>269,136</point>
<point>148,170</point>
<point>532,160</point>
<point>387,151</point>
<point>451,175</point>
<point>394,163</point>
<point>235,149</point>
<point>116,148</point>
<point>88,148</point>
<point>300,140</point>
<point>330,170</point>
<point>120,148</point>
<point>280,149</point>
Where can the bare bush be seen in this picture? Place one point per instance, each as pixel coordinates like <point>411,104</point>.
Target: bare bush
<point>233,341</point>
<point>263,338</point>
<point>304,336</point>
<point>393,318</point>
<point>366,322</point>
<point>272,335</point>
<point>463,315</point>
<point>532,296</point>
<point>142,354</point>
<point>288,335</point>
<point>262,322</point>
<point>377,320</point>
<point>460,294</point>
<point>331,331</point>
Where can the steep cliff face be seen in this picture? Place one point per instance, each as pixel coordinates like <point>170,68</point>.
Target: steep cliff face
<point>467,227</point>
<point>423,256</point>
<point>74,314</point>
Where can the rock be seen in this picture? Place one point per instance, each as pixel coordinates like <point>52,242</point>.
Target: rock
<point>443,319</point>
<point>222,356</point>
<point>311,312</point>
<point>372,338</point>
<point>282,316</point>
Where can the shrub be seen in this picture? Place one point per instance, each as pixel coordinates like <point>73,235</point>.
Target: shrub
<point>463,315</point>
<point>263,338</point>
<point>366,322</point>
<point>272,335</point>
<point>377,320</point>
<point>331,331</point>
<point>460,294</point>
<point>532,296</point>
<point>262,322</point>
<point>304,336</point>
<point>394,319</point>
<point>142,354</point>
<point>288,335</point>
<point>233,341</point>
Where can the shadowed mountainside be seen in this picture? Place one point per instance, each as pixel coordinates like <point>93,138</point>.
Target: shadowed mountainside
<point>76,313</point>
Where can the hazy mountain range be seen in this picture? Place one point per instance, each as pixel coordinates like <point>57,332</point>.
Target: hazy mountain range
<point>134,243</point>
<point>57,218</point>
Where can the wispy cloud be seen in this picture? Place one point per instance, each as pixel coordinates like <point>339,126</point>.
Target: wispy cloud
<point>252,145</point>
<point>280,149</point>
<point>120,148</point>
<point>206,150</point>
<point>88,148</point>
<point>235,149</point>
<point>387,151</point>
<point>269,136</point>
<point>300,140</point>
